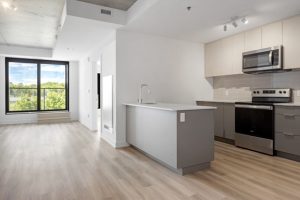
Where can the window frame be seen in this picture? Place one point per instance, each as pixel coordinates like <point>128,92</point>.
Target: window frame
<point>39,63</point>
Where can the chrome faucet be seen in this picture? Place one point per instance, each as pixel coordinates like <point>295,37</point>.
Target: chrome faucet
<point>140,100</point>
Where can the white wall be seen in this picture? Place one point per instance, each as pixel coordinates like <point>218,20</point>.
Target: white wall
<point>32,118</point>
<point>86,93</point>
<point>73,90</point>
<point>173,69</point>
<point>239,87</point>
<point>88,69</point>
<point>108,66</point>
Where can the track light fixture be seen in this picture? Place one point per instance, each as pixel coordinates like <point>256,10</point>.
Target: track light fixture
<point>234,22</point>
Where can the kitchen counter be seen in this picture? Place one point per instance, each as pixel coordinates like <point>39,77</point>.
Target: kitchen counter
<point>170,107</point>
<point>220,101</point>
<point>296,104</point>
<point>180,137</point>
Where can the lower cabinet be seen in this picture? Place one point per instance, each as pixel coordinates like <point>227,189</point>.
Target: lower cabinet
<point>287,129</point>
<point>229,120</point>
<point>224,117</point>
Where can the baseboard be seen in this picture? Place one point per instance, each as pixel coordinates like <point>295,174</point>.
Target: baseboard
<point>224,140</point>
<point>287,156</point>
<point>109,140</point>
<point>19,122</point>
<point>122,144</point>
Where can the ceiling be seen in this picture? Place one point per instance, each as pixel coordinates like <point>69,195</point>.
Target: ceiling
<point>117,4</point>
<point>34,24</point>
<point>204,22</point>
<point>73,43</point>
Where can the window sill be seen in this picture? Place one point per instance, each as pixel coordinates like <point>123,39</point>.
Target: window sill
<point>37,112</point>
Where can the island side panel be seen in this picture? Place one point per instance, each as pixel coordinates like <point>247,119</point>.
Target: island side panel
<point>195,138</point>
<point>154,132</point>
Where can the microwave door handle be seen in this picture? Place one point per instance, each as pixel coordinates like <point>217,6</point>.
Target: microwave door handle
<point>271,57</point>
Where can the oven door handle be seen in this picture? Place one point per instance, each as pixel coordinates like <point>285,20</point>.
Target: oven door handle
<point>257,107</point>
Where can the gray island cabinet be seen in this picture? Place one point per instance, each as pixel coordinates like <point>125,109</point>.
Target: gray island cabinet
<point>181,137</point>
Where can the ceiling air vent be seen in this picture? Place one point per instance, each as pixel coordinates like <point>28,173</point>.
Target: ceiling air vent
<point>105,12</point>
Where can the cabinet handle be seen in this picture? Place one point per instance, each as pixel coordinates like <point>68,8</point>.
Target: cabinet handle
<point>288,134</point>
<point>289,115</point>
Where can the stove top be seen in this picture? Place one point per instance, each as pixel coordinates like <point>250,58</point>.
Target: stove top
<point>255,103</point>
<point>270,96</point>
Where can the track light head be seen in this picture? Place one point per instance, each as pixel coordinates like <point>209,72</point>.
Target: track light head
<point>234,24</point>
<point>245,20</point>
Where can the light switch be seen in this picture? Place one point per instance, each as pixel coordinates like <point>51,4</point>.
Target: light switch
<point>182,117</point>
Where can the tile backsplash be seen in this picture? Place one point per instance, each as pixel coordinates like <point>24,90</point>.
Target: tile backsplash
<point>238,87</point>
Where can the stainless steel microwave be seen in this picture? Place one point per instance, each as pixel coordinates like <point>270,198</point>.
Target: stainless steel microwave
<point>263,60</point>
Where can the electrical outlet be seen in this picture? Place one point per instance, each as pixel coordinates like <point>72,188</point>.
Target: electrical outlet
<point>182,117</point>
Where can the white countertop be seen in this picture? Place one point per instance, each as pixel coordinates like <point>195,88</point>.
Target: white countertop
<point>287,104</point>
<point>222,101</point>
<point>170,107</point>
<point>232,101</point>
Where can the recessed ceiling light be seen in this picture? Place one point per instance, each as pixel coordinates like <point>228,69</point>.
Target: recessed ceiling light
<point>7,5</point>
<point>245,20</point>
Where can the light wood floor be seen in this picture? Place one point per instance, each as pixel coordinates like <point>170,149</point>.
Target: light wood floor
<point>66,161</point>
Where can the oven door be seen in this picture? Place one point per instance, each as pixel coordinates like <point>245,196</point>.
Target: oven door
<point>262,60</point>
<point>255,120</point>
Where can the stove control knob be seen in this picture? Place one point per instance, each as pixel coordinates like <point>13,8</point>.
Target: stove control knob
<point>257,92</point>
<point>280,92</point>
<point>284,92</point>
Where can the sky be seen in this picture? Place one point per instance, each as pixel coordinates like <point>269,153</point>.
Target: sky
<point>26,73</point>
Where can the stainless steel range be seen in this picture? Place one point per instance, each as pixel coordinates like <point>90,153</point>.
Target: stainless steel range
<point>254,121</point>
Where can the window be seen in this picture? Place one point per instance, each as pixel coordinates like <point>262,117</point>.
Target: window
<point>36,85</point>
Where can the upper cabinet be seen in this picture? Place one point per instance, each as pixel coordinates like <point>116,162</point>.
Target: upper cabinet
<point>253,39</point>
<point>224,57</point>
<point>212,53</point>
<point>272,35</point>
<point>291,42</point>
<point>238,47</point>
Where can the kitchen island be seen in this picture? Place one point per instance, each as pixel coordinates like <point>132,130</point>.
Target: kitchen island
<point>181,137</point>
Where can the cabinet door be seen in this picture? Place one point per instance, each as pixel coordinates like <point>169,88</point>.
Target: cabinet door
<point>238,47</point>
<point>229,121</point>
<point>287,129</point>
<point>272,35</point>
<point>211,53</point>
<point>291,42</point>
<point>253,39</point>
<point>225,59</point>
<point>218,117</point>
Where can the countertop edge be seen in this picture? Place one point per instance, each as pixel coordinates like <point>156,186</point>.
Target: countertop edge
<point>195,107</point>
<point>293,104</point>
